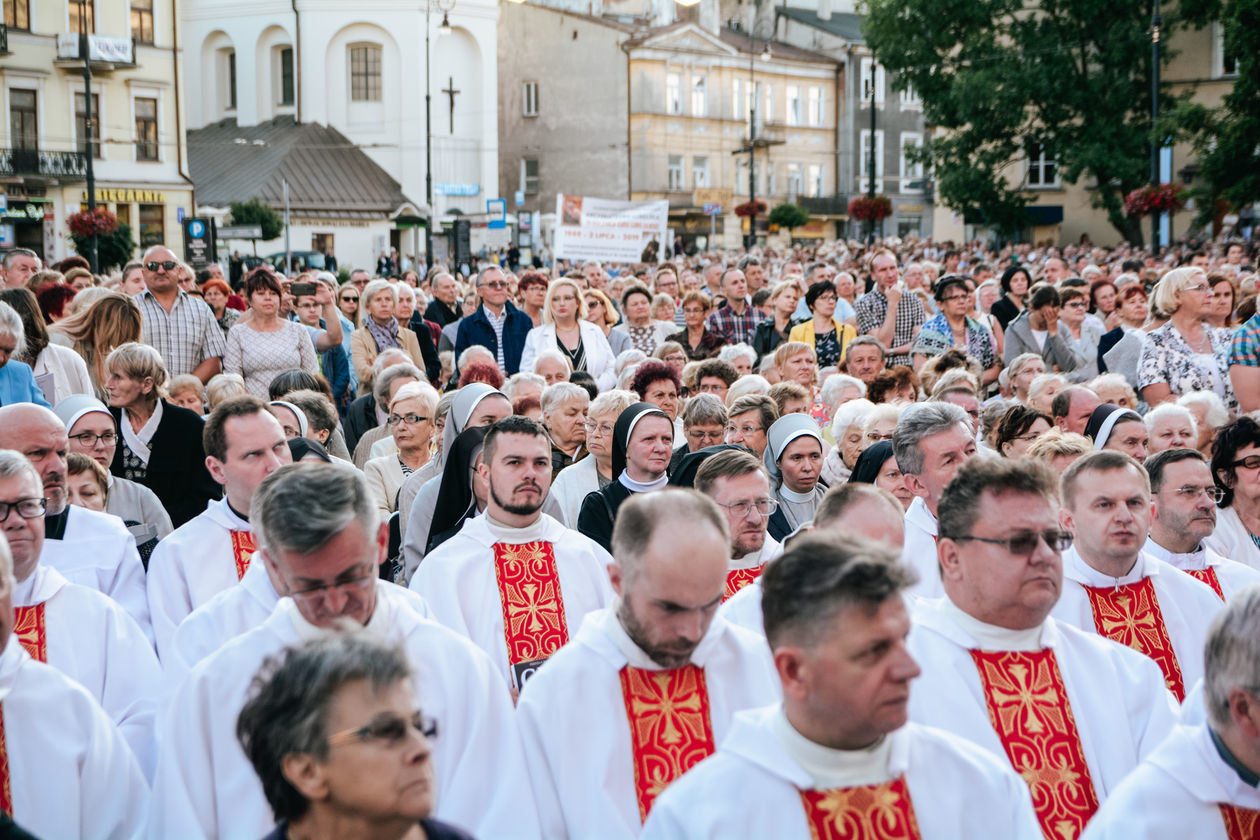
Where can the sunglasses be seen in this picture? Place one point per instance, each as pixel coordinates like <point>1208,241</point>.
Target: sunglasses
<point>348,299</point>
<point>168,265</point>
<point>390,730</point>
<point>1025,544</point>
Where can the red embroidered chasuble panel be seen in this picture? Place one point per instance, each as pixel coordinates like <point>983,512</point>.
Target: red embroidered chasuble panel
<point>866,812</point>
<point>737,579</point>
<point>243,547</point>
<point>534,626</point>
<point>6,792</point>
<point>1209,577</point>
<point>1030,711</point>
<point>1241,823</point>
<point>670,727</point>
<point>1130,615</point>
<point>28,626</point>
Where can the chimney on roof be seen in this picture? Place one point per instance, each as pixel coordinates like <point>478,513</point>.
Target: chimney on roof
<point>824,9</point>
<point>711,17</point>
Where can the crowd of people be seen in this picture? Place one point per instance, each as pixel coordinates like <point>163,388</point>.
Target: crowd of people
<point>890,540</point>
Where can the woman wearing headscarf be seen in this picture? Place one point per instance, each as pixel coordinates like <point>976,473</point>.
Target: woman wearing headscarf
<point>877,465</point>
<point>794,456</point>
<point>1118,429</point>
<point>643,441</point>
<point>305,449</point>
<point>462,495</point>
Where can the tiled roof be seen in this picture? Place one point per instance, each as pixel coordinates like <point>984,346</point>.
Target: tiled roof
<point>842,25</point>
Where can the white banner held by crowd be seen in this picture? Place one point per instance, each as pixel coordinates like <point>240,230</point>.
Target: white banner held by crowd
<point>610,231</point>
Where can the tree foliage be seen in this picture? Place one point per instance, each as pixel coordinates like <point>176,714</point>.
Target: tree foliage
<point>790,216</point>
<point>1001,77</point>
<point>254,212</point>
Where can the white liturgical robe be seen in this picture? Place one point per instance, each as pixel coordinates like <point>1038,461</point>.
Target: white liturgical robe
<point>575,707</point>
<point>195,563</point>
<point>751,787</point>
<point>97,551</point>
<point>459,581</point>
<point>1176,793</point>
<point>94,642</point>
<point>1117,696</point>
<point>919,551</point>
<point>206,787</point>
<point>1186,605</point>
<point>71,773</point>
<point>1230,574</point>
<point>743,609</point>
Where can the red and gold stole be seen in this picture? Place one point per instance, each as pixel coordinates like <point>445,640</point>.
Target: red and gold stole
<point>534,626</point>
<point>737,579</point>
<point>1030,711</point>
<point>866,812</point>
<point>1209,577</point>
<point>28,626</point>
<point>243,547</point>
<point>1130,615</point>
<point>6,793</point>
<point>670,729</point>
<point>1241,823</point>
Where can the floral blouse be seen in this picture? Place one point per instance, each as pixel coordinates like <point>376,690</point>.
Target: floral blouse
<point>936,336</point>
<point>1166,357</point>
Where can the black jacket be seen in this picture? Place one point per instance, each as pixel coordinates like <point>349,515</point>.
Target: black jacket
<point>599,510</point>
<point>441,314</point>
<point>360,418</point>
<point>177,472</point>
<point>765,340</point>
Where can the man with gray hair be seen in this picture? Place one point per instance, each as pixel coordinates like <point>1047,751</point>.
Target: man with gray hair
<point>320,534</point>
<point>931,441</point>
<point>496,325</point>
<point>72,772</point>
<point>651,683</point>
<point>77,630</point>
<point>1202,781</point>
<point>17,267</point>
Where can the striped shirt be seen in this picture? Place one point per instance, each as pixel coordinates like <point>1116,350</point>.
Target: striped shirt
<point>186,336</point>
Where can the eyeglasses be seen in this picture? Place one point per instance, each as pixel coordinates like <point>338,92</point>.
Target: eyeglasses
<point>1251,462</point>
<point>598,428</point>
<point>1024,545</point>
<point>1202,287</point>
<point>1190,491</point>
<point>88,439</point>
<point>494,284</point>
<point>390,730</point>
<point>676,357</point>
<point>765,507</point>
<point>877,437</point>
<point>168,265</point>
<point>354,586</point>
<point>953,298</point>
<point>1076,304</point>
<point>743,430</point>
<point>26,508</point>
<point>409,419</point>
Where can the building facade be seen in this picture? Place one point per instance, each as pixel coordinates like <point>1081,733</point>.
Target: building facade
<point>136,135</point>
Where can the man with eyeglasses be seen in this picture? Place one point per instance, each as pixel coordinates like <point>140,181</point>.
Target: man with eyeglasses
<point>747,420</point>
<point>211,552</point>
<point>704,425</point>
<point>1072,713</point>
<point>648,686</point>
<point>496,325</point>
<point>320,535</point>
<point>182,327</point>
<point>515,581</point>
<point>1184,515</point>
<point>738,483</point>
<point>89,548</point>
<point>68,770</point>
<point>1114,588</point>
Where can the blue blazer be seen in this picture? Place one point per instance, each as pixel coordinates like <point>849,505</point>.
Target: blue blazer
<point>17,384</point>
<point>476,329</point>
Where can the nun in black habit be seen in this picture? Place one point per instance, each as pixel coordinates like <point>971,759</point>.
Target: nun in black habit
<point>599,508</point>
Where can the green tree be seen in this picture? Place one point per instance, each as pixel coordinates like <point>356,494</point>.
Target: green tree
<point>790,216</point>
<point>112,249</point>
<point>254,212</point>
<point>1003,77</point>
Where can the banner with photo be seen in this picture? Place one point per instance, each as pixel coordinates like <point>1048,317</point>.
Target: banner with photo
<point>611,231</point>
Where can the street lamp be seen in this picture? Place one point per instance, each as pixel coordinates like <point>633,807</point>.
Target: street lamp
<point>870,181</point>
<point>85,54</point>
<point>444,6</point>
<point>1156,22</point>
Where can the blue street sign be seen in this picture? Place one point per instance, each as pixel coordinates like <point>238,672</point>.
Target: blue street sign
<point>713,209</point>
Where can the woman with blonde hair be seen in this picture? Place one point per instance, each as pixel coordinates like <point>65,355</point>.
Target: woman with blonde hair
<point>110,322</point>
<point>1185,354</point>
<point>601,313</point>
<point>565,329</point>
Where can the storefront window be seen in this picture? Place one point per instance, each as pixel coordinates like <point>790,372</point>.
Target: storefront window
<point>152,225</point>
<point>123,212</point>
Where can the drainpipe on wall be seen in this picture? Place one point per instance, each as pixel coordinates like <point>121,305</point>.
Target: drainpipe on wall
<point>297,62</point>
<point>179,108</point>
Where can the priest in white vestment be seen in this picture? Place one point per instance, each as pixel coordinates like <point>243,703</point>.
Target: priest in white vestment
<point>1115,589</point>
<point>67,770</point>
<point>737,481</point>
<point>77,630</point>
<point>931,441</point>
<point>515,581</point>
<point>318,529</point>
<point>837,757</point>
<point>847,509</point>
<point>89,548</point>
<point>1072,712</point>
<point>211,552</point>
<point>1184,516</point>
<point>1204,780</point>
<point>647,687</point>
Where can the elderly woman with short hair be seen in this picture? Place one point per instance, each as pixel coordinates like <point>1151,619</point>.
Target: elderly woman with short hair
<point>696,339</point>
<point>566,330</point>
<point>645,333</point>
<point>160,444</point>
<point>594,472</point>
<point>564,409</point>
<point>380,331</point>
<point>411,422</point>
<point>1185,354</point>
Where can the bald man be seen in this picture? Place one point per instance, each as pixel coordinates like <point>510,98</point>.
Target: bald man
<point>89,548</point>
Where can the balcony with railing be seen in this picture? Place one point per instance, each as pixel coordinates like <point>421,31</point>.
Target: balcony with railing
<point>62,166</point>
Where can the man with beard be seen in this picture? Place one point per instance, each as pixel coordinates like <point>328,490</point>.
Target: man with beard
<point>649,686</point>
<point>1184,515</point>
<point>515,581</point>
<point>738,483</point>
